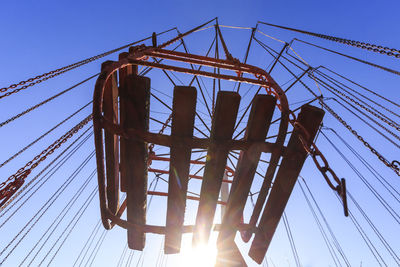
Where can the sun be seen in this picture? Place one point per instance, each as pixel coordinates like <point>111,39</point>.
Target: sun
<point>203,255</point>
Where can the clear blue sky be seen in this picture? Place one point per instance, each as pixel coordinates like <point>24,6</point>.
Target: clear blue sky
<point>38,36</point>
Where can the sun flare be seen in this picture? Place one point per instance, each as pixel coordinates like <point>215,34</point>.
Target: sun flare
<point>198,256</point>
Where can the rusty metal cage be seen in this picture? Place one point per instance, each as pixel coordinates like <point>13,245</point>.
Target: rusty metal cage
<point>122,138</point>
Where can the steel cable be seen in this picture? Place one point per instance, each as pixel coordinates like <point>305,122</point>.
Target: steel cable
<point>370,47</point>
<point>43,135</point>
<point>43,77</point>
<point>321,229</point>
<point>43,209</point>
<point>14,200</point>
<point>77,217</point>
<point>45,101</point>
<point>57,221</point>
<point>371,188</point>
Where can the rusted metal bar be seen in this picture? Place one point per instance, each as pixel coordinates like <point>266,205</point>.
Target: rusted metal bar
<point>110,111</point>
<point>165,194</point>
<point>222,130</point>
<point>298,78</point>
<point>247,51</point>
<point>183,114</point>
<point>199,60</point>
<point>165,140</point>
<point>226,51</point>
<point>135,96</point>
<point>198,177</point>
<point>122,74</point>
<point>156,229</point>
<point>257,127</point>
<point>310,118</point>
<point>277,57</point>
<point>201,73</point>
<point>180,36</point>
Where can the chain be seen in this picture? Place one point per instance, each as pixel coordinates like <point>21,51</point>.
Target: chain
<point>312,149</point>
<point>48,75</point>
<point>394,165</point>
<point>324,168</point>
<point>164,126</point>
<point>15,181</point>
<point>370,47</point>
<point>392,124</point>
<point>45,101</point>
<point>370,109</point>
<point>367,46</point>
<point>43,135</point>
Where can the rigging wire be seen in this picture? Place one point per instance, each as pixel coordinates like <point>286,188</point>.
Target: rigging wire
<point>43,135</point>
<point>14,200</point>
<point>327,87</point>
<point>291,240</point>
<point>392,165</point>
<point>88,243</point>
<point>45,76</point>
<point>370,108</point>
<point>361,231</point>
<point>56,222</point>
<point>75,219</point>
<point>45,101</point>
<point>339,95</point>
<point>321,229</point>
<point>381,179</point>
<point>16,180</point>
<point>351,57</point>
<point>362,87</point>
<point>121,258</point>
<point>334,238</point>
<point>376,231</point>
<point>371,188</point>
<point>105,232</point>
<point>45,207</point>
<point>370,47</point>
<point>130,257</point>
